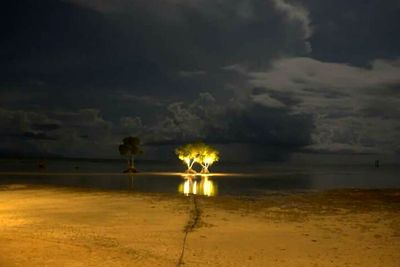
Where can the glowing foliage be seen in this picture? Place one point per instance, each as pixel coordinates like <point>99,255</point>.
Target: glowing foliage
<point>201,153</point>
<point>188,154</point>
<point>207,156</point>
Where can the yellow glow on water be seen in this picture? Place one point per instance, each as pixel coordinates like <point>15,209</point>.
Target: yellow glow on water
<point>208,187</point>
<point>205,187</point>
<point>186,187</point>
<point>194,187</point>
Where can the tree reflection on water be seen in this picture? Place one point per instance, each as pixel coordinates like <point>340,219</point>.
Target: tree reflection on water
<point>191,185</point>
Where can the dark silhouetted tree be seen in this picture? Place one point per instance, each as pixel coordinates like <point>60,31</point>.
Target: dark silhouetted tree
<point>129,148</point>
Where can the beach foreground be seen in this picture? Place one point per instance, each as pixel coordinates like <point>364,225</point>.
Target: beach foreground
<point>45,226</point>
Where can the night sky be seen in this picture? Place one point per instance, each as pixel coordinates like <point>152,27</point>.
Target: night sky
<point>260,79</point>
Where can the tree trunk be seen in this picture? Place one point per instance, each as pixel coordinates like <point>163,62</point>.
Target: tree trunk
<point>131,165</point>
<point>205,169</point>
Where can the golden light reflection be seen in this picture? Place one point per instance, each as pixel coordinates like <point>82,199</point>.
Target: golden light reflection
<point>195,187</point>
<point>186,187</point>
<point>205,186</point>
<point>208,187</point>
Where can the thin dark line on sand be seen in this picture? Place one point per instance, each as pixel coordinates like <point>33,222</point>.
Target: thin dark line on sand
<point>191,224</point>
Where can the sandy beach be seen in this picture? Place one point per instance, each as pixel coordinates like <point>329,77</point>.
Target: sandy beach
<point>48,226</point>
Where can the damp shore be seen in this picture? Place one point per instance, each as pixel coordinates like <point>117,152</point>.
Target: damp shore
<point>56,226</point>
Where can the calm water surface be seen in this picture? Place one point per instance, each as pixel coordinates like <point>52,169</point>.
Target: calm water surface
<point>237,179</point>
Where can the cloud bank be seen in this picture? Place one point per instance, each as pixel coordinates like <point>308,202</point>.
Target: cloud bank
<point>248,75</point>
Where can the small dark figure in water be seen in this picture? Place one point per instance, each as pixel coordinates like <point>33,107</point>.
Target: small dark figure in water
<point>41,165</point>
<point>377,163</point>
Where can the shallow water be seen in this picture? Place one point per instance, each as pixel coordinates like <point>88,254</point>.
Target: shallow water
<point>234,179</point>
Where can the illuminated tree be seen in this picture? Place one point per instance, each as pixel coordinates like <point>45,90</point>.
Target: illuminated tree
<point>129,148</point>
<point>189,155</point>
<point>201,153</point>
<point>207,156</point>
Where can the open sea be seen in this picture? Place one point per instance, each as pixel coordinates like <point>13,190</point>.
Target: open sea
<point>226,179</point>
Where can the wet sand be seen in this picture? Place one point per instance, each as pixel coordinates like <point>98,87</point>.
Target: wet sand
<point>70,227</point>
<point>66,227</point>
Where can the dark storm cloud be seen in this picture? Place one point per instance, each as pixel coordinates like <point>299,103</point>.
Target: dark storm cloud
<point>202,34</point>
<point>280,73</point>
<point>46,127</point>
<point>62,43</point>
<point>50,44</point>
<point>355,108</point>
<point>236,122</point>
<point>354,31</point>
<point>38,136</point>
<point>63,133</point>
<point>28,136</point>
<point>283,99</point>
